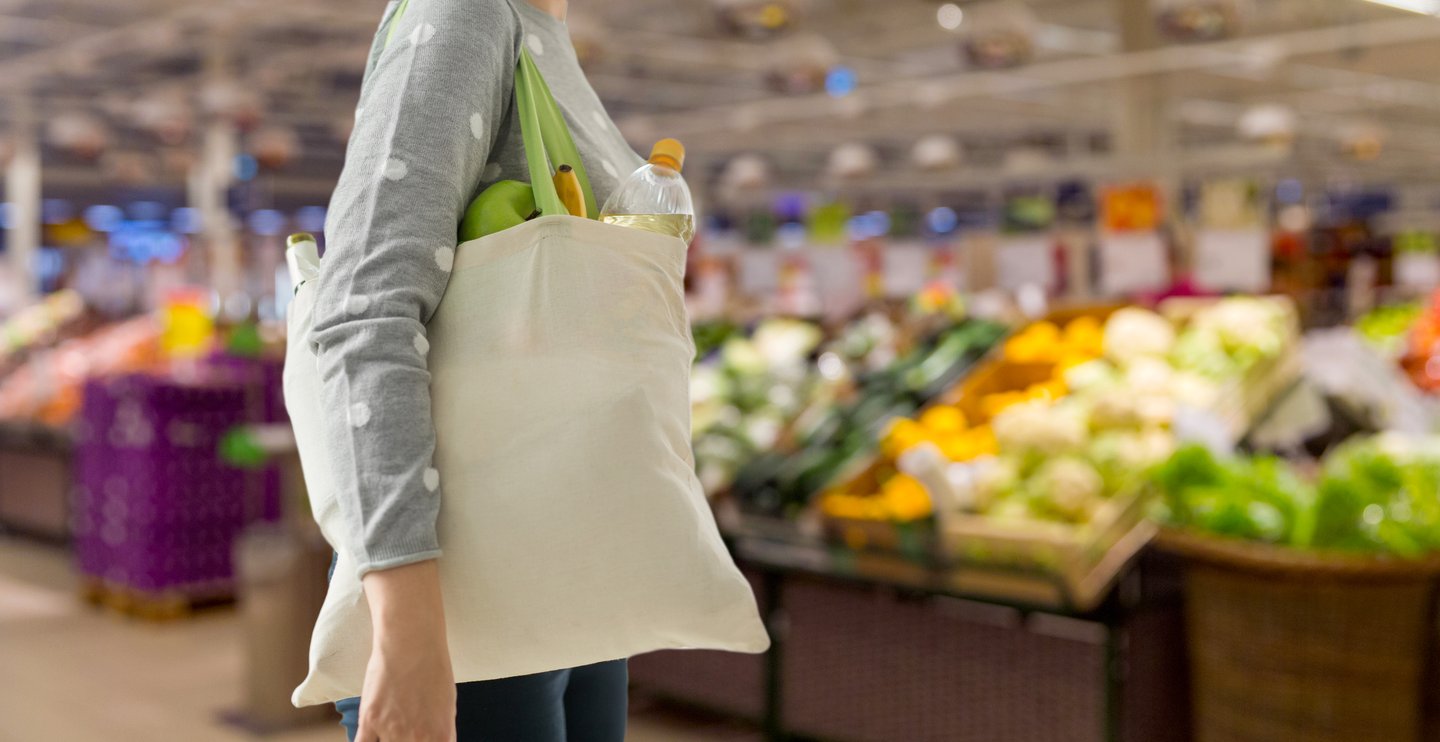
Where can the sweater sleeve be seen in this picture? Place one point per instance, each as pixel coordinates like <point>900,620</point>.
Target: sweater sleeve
<point>424,129</point>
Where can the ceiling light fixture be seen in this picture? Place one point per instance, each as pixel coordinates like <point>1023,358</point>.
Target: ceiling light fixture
<point>1426,7</point>
<point>950,16</point>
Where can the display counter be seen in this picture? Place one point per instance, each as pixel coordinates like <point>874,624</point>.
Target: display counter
<point>35,462</point>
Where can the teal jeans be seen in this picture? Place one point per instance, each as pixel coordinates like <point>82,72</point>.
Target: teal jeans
<point>581,704</point>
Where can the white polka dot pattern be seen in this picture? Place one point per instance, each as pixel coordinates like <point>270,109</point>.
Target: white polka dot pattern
<point>537,47</point>
<point>477,126</point>
<point>422,345</point>
<point>359,414</point>
<point>445,258</point>
<point>432,479</point>
<point>396,169</point>
<point>491,172</point>
<point>357,304</point>
<point>422,33</point>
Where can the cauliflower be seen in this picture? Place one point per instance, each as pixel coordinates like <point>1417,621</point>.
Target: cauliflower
<point>707,384</point>
<point>1133,333</point>
<point>1155,446</point>
<point>1155,410</point>
<point>1011,509</point>
<point>786,342</point>
<point>1231,336</point>
<point>1193,390</point>
<point>1149,376</point>
<point>1069,488</point>
<point>1248,328</point>
<point>1114,408</point>
<point>1122,455</point>
<point>1041,427</point>
<point>1089,375</point>
<point>763,430</point>
<point>741,356</point>
<point>990,479</point>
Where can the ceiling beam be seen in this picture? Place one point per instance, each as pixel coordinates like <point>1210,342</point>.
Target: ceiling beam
<point>911,92</point>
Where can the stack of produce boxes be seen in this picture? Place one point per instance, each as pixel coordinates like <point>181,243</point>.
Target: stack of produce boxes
<point>156,510</point>
<point>1036,462</point>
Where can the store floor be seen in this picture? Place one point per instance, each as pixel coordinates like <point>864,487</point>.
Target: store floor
<point>69,672</point>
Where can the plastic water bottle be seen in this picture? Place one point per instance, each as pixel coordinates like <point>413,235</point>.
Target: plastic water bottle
<point>655,197</point>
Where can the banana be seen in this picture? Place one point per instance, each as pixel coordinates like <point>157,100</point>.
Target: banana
<point>503,205</point>
<point>567,185</point>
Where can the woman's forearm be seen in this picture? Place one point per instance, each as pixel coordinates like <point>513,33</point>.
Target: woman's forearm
<point>406,604</point>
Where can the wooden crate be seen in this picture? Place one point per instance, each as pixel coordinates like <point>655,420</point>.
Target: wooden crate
<point>1084,559</point>
<point>993,376</point>
<point>1244,400</point>
<point>164,605</point>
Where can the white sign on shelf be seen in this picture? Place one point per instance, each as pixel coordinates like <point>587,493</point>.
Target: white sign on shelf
<point>1233,260</point>
<point>1133,262</point>
<point>1025,261</point>
<point>838,278</point>
<point>905,267</point>
<point>1417,270</point>
<point>759,271</point>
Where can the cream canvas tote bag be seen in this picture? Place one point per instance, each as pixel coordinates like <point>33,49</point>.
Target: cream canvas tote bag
<point>573,527</point>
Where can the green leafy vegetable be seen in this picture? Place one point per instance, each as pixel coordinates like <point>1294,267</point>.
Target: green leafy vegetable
<point>1366,499</point>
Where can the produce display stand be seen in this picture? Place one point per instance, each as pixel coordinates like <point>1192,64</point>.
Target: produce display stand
<point>870,646</point>
<point>1287,644</point>
<point>884,631</point>
<point>1052,567</point>
<point>35,480</point>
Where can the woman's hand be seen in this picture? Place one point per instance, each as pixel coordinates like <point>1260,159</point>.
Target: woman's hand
<point>409,691</point>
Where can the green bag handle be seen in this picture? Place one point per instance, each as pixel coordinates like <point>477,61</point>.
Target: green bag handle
<point>395,22</point>
<point>547,139</point>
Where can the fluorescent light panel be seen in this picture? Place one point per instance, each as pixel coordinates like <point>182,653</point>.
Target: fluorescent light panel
<point>1427,7</point>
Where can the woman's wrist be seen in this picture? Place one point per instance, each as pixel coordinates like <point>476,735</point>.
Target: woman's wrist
<point>405,603</point>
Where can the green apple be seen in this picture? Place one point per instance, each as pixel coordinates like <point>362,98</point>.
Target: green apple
<point>499,207</point>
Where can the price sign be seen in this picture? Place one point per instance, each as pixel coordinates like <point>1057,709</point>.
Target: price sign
<point>1133,262</point>
<point>1026,261</point>
<point>1233,260</point>
<point>1417,270</point>
<point>759,271</point>
<point>838,278</point>
<point>906,267</point>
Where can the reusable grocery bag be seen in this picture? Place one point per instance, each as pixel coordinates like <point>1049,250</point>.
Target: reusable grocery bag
<point>573,527</point>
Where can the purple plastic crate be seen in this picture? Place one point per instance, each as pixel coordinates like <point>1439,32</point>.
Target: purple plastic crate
<point>156,509</point>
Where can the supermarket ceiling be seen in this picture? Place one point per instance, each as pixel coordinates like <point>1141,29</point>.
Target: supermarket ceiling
<point>1022,87</point>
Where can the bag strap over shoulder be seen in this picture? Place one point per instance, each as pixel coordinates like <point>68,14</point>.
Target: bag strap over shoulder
<point>395,21</point>
<point>548,143</point>
<point>547,139</point>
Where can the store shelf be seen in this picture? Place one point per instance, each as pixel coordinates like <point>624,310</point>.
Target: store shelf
<point>35,437</point>
<point>35,480</point>
<point>1025,589</point>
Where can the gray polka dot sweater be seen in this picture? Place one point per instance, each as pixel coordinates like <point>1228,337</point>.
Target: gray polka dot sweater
<point>435,125</point>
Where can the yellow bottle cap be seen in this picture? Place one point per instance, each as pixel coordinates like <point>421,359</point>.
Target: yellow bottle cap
<point>668,152</point>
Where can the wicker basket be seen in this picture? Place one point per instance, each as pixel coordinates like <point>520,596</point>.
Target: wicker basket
<point>1289,646</point>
